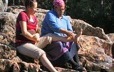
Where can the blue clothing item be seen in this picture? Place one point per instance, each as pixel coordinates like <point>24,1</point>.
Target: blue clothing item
<point>52,24</point>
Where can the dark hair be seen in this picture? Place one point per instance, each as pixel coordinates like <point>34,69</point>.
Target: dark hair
<point>29,3</point>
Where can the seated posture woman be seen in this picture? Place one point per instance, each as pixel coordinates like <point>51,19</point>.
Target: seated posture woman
<point>27,36</point>
<point>64,49</point>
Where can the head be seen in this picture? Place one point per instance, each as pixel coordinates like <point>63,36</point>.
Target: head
<point>59,6</point>
<point>31,6</point>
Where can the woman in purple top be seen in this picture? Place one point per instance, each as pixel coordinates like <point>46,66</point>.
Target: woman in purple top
<point>59,52</point>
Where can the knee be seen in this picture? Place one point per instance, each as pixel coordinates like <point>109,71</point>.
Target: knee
<point>42,53</point>
<point>42,56</point>
<point>48,40</point>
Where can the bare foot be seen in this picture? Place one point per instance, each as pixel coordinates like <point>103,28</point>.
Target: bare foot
<point>77,37</point>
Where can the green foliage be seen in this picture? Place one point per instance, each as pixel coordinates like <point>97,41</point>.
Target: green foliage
<point>95,12</point>
<point>46,4</point>
<point>88,8</point>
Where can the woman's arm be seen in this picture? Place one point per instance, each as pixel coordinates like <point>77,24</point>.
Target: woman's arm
<point>29,35</point>
<point>54,26</point>
<point>38,29</point>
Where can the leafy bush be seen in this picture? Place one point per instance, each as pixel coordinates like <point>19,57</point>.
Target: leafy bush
<point>95,12</point>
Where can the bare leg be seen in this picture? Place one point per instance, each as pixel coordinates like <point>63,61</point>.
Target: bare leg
<point>47,39</point>
<point>47,63</point>
<point>57,38</point>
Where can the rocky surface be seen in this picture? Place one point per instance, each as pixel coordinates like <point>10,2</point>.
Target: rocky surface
<point>1,6</point>
<point>96,47</point>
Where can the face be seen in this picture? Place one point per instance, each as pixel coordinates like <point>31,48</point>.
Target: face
<point>60,10</point>
<point>34,8</point>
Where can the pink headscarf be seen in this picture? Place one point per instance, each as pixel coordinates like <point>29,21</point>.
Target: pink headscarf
<point>58,3</point>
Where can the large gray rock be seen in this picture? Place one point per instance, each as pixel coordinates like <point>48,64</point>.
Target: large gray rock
<point>1,6</point>
<point>111,36</point>
<point>95,45</point>
<point>96,53</point>
<point>89,29</point>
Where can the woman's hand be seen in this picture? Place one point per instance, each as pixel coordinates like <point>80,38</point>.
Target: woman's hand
<point>74,37</point>
<point>71,36</point>
<point>77,37</point>
<point>68,33</point>
<point>36,37</point>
